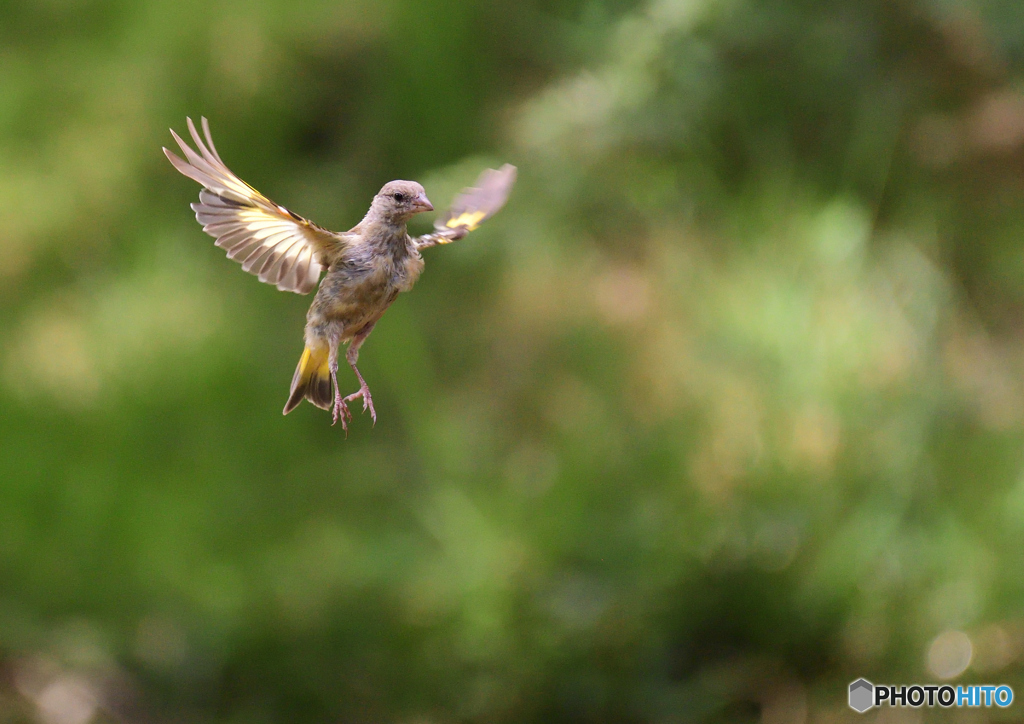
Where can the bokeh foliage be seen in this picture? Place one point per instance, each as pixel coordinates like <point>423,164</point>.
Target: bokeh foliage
<point>725,410</point>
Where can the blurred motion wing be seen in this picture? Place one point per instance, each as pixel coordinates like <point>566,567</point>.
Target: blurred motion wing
<point>268,240</point>
<point>475,205</point>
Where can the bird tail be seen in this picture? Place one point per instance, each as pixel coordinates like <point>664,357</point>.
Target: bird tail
<point>312,379</point>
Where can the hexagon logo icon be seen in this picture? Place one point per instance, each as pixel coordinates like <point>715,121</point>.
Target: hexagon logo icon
<point>862,695</point>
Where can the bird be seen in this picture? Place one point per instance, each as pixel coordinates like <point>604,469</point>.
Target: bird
<point>366,267</point>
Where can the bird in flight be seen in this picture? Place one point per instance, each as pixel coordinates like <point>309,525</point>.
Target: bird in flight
<point>367,266</point>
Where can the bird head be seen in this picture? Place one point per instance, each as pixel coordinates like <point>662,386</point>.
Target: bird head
<point>400,200</point>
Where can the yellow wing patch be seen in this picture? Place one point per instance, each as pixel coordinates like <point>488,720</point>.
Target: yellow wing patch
<point>468,219</point>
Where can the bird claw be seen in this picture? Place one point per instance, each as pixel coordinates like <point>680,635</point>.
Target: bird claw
<point>341,412</point>
<point>364,392</point>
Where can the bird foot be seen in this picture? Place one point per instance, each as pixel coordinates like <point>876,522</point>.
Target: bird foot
<point>363,392</point>
<point>341,412</point>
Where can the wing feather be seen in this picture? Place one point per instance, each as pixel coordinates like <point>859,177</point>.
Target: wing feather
<point>278,246</point>
<point>284,254</point>
<point>239,250</point>
<point>298,269</point>
<point>229,240</point>
<point>273,251</point>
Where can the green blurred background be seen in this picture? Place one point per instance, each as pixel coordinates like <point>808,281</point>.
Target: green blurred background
<point>723,411</point>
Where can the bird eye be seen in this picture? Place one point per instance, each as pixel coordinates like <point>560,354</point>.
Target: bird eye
<point>399,197</point>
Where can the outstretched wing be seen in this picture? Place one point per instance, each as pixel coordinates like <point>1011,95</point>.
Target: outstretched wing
<point>472,207</point>
<point>280,247</point>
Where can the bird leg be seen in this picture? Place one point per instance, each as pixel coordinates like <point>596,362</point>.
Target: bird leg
<point>364,391</point>
<point>340,411</point>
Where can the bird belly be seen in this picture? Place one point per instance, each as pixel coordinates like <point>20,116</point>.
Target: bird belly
<point>350,302</point>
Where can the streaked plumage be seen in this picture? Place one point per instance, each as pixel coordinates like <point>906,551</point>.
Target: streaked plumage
<point>367,266</point>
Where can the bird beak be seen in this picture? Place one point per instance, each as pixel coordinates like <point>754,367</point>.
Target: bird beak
<point>423,203</point>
